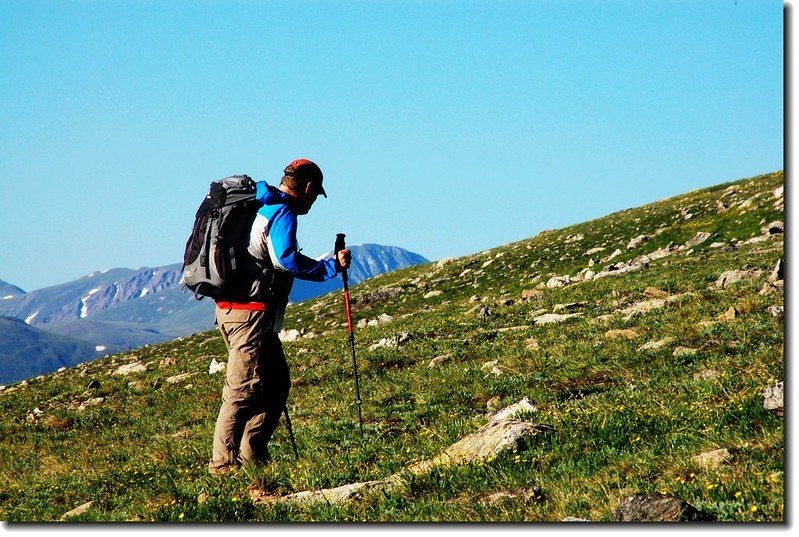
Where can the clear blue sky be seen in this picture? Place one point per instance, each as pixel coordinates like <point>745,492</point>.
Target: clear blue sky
<point>444,127</point>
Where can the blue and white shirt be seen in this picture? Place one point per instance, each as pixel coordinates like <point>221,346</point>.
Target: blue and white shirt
<point>273,237</point>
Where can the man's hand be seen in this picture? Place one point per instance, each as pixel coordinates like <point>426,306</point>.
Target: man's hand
<point>344,258</point>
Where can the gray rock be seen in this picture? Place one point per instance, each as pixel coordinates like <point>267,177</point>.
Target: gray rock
<point>127,369</point>
<point>558,281</point>
<point>730,277</point>
<point>77,511</point>
<point>549,318</point>
<point>778,273</point>
<point>289,335</point>
<point>656,345</point>
<point>711,459</point>
<point>438,360</point>
<point>776,311</point>
<point>697,239</point>
<point>773,397</point>
<point>656,508</point>
<point>491,368</point>
<point>637,241</point>
<point>501,433</point>
<point>216,367</point>
<point>774,228</point>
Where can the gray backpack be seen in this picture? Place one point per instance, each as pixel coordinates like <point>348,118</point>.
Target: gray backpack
<point>216,262</point>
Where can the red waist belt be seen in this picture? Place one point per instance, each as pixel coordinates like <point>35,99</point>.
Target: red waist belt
<point>252,306</point>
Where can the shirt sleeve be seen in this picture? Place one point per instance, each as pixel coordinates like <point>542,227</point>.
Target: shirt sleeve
<point>283,250</point>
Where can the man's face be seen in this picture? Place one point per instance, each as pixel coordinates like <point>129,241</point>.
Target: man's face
<point>308,198</point>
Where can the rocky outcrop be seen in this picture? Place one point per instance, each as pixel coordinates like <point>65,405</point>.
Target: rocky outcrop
<point>502,432</point>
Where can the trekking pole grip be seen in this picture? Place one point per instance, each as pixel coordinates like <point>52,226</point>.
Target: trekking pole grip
<point>340,242</point>
<point>336,249</point>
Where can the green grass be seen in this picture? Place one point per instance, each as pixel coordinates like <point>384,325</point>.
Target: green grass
<point>621,420</point>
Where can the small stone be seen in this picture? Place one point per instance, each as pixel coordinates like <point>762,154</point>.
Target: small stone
<point>773,397</point>
<point>728,315</point>
<point>776,311</point>
<point>438,360</point>
<point>558,281</point>
<point>127,369</point>
<point>656,345</point>
<point>731,277</point>
<point>656,508</point>
<point>711,459</point>
<point>549,318</point>
<point>490,368</point>
<point>637,241</point>
<point>627,333</point>
<point>698,239</point>
<point>290,335</point>
<point>778,273</point>
<point>177,378</point>
<point>91,402</point>
<point>774,228</point>
<point>81,509</point>
<point>531,294</point>
<point>654,292</point>
<point>216,367</point>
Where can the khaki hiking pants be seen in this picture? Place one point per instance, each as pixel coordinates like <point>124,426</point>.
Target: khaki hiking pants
<point>256,388</point>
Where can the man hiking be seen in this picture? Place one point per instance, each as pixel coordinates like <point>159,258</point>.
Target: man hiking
<point>257,378</point>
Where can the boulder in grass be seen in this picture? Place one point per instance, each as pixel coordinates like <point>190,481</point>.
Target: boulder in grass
<point>657,508</point>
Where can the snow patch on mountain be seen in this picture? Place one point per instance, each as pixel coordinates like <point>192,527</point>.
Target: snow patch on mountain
<point>84,307</point>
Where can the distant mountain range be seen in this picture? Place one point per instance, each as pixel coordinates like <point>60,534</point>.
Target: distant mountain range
<point>121,309</point>
<point>7,290</point>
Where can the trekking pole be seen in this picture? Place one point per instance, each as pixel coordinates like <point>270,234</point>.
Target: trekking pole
<point>340,246</point>
<point>291,432</point>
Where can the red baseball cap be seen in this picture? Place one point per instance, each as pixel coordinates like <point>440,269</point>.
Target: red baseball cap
<point>302,168</point>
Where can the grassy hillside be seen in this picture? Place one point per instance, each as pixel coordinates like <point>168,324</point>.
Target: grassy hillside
<point>649,378</point>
